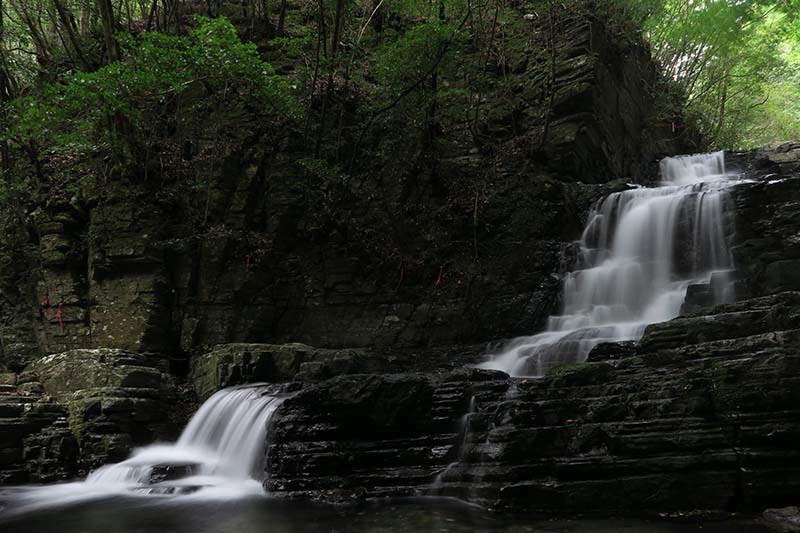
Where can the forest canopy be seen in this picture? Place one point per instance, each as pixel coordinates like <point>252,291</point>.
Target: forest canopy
<point>738,62</point>
<point>122,78</point>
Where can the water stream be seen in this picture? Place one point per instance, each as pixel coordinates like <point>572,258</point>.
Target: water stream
<point>640,250</point>
<point>221,454</point>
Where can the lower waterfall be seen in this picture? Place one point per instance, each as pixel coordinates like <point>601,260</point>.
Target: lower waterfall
<point>640,250</point>
<point>220,454</point>
<point>225,439</point>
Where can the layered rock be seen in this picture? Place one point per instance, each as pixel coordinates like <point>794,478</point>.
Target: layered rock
<point>697,422</point>
<point>767,239</point>
<point>36,443</point>
<point>233,364</point>
<point>459,251</point>
<point>80,409</point>
<point>701,413</point>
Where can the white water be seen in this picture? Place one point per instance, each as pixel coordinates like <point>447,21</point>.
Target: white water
<point>223,447</point>
<point>463,430</point>
<point>639,251</point>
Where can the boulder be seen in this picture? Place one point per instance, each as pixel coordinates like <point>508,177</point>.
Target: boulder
<point>63,374</point>
<point>786,519</point>
<point>234,364</point>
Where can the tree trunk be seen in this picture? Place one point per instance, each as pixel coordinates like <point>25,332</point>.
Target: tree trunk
<point>377,19</point>
<point>282,17</point>
<point>68,21</point>
<point>5,92</point>
<point>109,27</point>
<point>337,28</point>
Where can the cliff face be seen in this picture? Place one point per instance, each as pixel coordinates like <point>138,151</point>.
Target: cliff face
<point>702,413</point>
<point>459,251</point>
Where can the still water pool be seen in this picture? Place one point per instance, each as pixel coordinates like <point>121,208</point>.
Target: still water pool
<point>261,515</point>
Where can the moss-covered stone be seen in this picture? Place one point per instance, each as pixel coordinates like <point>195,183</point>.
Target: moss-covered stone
<point>578,374</point>
<point>233,364</point>
<point>65,373</point>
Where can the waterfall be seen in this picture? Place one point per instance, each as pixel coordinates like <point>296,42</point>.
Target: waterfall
<point>221,454</point>
<point>640,250</point>
<point>463,432</point>
<point>226,438</point>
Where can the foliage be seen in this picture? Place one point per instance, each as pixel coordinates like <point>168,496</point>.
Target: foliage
<point>363,80</point>
<point>412,56</point>
<point>735,61</point>
<point>121,108</point>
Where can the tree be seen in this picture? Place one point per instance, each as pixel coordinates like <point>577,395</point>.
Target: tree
<point>109,28</point>
<point>730,59</point>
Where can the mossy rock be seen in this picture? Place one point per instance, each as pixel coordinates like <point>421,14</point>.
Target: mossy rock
<point>663,358</point>
<point>65,373</point>
<point>580,374</point>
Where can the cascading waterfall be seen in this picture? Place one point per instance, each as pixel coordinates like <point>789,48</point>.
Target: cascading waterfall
<point>226,438</point>
<point>640,250</point>
<point>220,454</point>
<point>463,431</point>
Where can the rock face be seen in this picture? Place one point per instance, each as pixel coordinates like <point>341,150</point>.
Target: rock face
<point>689,422</point>
<point>393,264</point>
<point>701,413</point>
<point>36,443</point>
<point>234,364</point>
<point>600,105</point>
<point>767,238</point>
<point>80,409</point>
<point>786,519</point>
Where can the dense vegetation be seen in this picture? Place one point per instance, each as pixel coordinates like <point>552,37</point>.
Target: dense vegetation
<point>129,87</point>
<point>738,62</point>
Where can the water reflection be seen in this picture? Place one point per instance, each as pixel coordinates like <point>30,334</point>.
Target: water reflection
<point>262,515</point>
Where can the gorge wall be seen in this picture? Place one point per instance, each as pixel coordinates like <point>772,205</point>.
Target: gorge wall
<point>391,264</point>
<point>116,311</point>
<point>702,413</point>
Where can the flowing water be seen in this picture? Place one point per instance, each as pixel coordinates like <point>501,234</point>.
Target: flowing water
<point>220,455</point>
<point>122,514</point>
<point>640,250</point>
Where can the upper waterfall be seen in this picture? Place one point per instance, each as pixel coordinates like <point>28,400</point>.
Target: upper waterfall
<point>640,250</point>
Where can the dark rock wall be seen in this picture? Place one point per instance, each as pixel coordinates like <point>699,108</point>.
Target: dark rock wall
<point>606,122</point>
<point>77,410</point>
<point>702,413</point>
<point>767,238</point>
<point>276,255</point>
<point>691,420</point>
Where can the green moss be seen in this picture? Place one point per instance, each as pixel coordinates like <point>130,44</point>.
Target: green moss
<point>579,374</point>
<point>77,420</point>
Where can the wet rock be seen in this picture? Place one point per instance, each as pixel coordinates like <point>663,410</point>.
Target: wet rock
<point>607,351</point>
<point>786,519</point>
<point>36,444</point>
<point>77,410</point>
<point>684,421</point>
<point>783,275</point>
<point>766,240</point>
<point>171,472</point>
<point>731,321</point>
<point>234,364</point>
<point>64,373</point>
